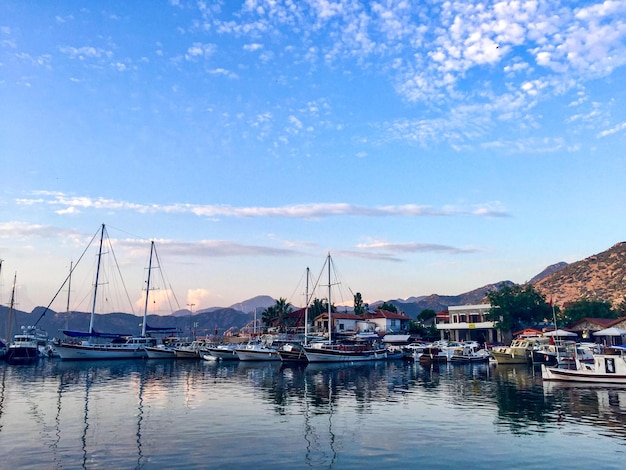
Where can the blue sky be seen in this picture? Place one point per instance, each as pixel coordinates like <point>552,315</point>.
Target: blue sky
<point>430,147</point>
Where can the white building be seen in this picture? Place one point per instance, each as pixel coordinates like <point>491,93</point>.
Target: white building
<point>468,322</point>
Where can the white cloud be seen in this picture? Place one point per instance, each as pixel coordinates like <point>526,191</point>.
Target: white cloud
<point>306,211</point>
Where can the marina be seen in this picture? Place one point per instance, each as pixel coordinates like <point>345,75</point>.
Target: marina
<point>387,414</point>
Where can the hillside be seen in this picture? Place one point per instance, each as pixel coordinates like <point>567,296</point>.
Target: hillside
<point>599,277</point>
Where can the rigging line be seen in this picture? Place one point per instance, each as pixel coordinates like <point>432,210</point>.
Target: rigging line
<point>129,233</point>
<point>166,282</point>
<point>293,293</point>
<point>119,271</point>
<point>68,277</point>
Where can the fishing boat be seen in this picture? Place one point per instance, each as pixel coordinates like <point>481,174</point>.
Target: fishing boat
<point>608,367</point>
<point>89,345</point>
<point>343,351</point>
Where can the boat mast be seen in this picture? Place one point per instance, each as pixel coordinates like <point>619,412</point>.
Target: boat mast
<point>69,287</point>
<point>10,321</point>
<point>95,287</point>
<point>145,310</point>
<point>306,310</point>
<point>556,345</point>
<point>330,320</point>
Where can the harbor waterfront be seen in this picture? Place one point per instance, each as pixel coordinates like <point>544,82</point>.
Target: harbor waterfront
<point>143,414</point>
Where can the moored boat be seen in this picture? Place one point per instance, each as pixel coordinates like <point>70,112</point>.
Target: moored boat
<point>292,352</point>
<point>469,353</point>
<point>27,346</point>
<point>519,351</point>
<point>90,345</point>
<point>258,351</point>
<point>224,351</point>
<point>608,367</point>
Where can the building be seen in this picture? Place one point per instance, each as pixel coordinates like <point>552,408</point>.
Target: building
<point>467,322</point>
<point>380,321</point>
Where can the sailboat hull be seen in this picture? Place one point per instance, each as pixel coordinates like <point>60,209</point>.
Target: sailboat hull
<point>76,352</point>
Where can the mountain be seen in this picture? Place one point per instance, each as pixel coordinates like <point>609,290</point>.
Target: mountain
<point>442,302</point>
<point>258,303</point>
<point>599,277</point>
<point>553,268</point>
<point>54,323</point>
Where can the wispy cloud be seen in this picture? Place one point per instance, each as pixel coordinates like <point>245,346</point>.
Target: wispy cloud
<point>68,204</point>
<point>22,230</point>
<point>414,247</point>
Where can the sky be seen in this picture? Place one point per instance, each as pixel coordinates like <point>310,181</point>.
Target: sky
<point>430,147</point>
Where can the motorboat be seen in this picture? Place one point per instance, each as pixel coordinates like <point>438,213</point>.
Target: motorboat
<point>224,351</point>
<point>258,351</point>
<point>27,346</point>
<point>608,367</point>
<point>519,351</point>
<point>469,353</point>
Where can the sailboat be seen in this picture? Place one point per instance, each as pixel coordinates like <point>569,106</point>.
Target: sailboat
<point>342,352</point>
<point>294,351</point>
<point>118,346</point>
<point>26,347</point>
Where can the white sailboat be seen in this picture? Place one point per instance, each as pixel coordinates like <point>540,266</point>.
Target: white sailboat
<point>118,346</point>
<point>342,352</point>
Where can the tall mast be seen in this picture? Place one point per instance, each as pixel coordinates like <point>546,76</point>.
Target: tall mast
<point>145,310</point>
<point>69,287</point>
<point>330,320</point>
<point>10,320</point>
<point>306,310</point>
<point>95,287</point>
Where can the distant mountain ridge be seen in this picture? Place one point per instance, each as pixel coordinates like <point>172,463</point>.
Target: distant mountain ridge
<point>598,277</point>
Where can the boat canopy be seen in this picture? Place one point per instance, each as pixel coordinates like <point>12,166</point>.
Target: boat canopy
<point>161,328</point>
<point>92,334</point>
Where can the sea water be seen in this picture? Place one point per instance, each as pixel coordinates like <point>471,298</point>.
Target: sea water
<point>145,414</point>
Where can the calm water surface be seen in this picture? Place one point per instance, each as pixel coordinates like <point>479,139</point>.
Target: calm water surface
<point>197,414</point>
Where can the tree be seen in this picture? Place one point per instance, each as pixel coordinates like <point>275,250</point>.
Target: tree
<point>426,315</point>
<point>588,308</point>
<point>318,307</point>
<point>389,307</point>
<point>359,307</point>
<point>620,310</point>
<point>269,315</point>
<point>277,312</point>
<point>515,307</point>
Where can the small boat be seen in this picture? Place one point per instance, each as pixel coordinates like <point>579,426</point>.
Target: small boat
<point>224,351</point>
<point>188,351</point>
<point>608,367</point>
<point>292,352</point>
<point>160,351</point>
<point>470,352</point>
<point>519,351</point>
<point>258,351</point>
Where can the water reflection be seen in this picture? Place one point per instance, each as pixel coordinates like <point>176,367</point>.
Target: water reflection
<point>126,413</point>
